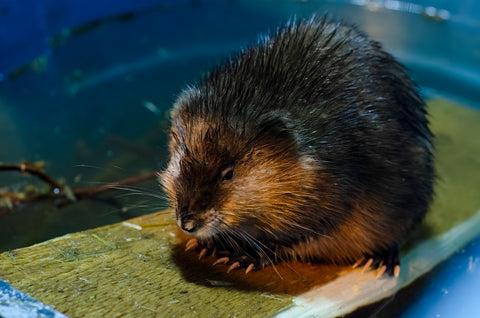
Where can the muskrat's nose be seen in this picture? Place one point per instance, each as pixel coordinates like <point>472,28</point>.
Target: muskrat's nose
<point>188,226</point>
<point>185,220</point>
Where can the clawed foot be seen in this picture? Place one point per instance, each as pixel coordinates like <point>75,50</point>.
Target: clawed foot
<point>225,257</point>
<point>385,261</point>
<point>238,262</point>
<point>191,243</point>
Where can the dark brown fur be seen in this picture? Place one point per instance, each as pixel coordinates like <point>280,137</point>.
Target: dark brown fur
<point>311,145</point>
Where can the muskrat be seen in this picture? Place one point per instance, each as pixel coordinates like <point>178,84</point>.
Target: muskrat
<point>312,144</point>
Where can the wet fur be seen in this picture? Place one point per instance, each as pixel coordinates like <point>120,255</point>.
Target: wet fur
<point>328,141</point>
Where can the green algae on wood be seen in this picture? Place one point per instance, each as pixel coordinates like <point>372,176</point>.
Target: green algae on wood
<point>457,144</point>
<point>120,270</point>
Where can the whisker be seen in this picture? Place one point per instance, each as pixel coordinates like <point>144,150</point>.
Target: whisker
<point>294,224</point>
<point>250,239</point>
<point>83,165</point>
<point>237,248</point>
<point>143,208</point>
<point>142,194</point>
<point>252,242</point>
<point>87,166</point>
<point>140,191</point>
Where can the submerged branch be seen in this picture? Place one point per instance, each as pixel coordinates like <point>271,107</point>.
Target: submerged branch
<point>86,192</point>
<point>62,195</point>
<point>35,169</point>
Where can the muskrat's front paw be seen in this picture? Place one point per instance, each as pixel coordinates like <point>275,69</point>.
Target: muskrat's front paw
<point>387,260</point>
<point>191,243</point>
<point>239,262</point>
<point>202,250</point>
<point>226,257</point>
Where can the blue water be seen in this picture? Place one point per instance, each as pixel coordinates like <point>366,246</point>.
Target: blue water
<point>451,290</point>
<point>94,104</point>
<point>15,303</point>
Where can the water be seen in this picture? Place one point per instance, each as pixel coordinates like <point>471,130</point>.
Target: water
<point>94,106</point>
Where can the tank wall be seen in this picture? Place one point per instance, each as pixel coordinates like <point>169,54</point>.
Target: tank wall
<point>429,36</point>
<point>26,26</point>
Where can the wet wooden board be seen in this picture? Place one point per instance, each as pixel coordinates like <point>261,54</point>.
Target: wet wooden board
<point>140,267</point>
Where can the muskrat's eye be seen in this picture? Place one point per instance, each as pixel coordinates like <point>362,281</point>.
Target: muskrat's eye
<point>227,174</point>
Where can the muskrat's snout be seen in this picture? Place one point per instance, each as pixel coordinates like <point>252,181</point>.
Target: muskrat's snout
<point>186,220</point>
<point>196,216</point>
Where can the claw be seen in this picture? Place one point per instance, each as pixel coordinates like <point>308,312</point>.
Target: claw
<point>191,243</point>
<point>358,263</point>
<point>382,261</point>
<point>381,270</point>
<point>202,253</point>
<point>396,271</point>
<point>380,264</point>
<point>223,260</point>
<point>367,265</point>
<point>249,268</point>
<point>233,266</point>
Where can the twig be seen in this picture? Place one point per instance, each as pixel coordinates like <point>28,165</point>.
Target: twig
<point>33,169</point>
<point>62,195</point>
<point>86,192</point>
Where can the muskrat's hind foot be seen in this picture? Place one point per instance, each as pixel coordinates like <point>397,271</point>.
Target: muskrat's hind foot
<point>247,262</point>
<point>387,260</point>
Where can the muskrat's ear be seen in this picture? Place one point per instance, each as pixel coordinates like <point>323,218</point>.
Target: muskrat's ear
<point>276,126</point>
